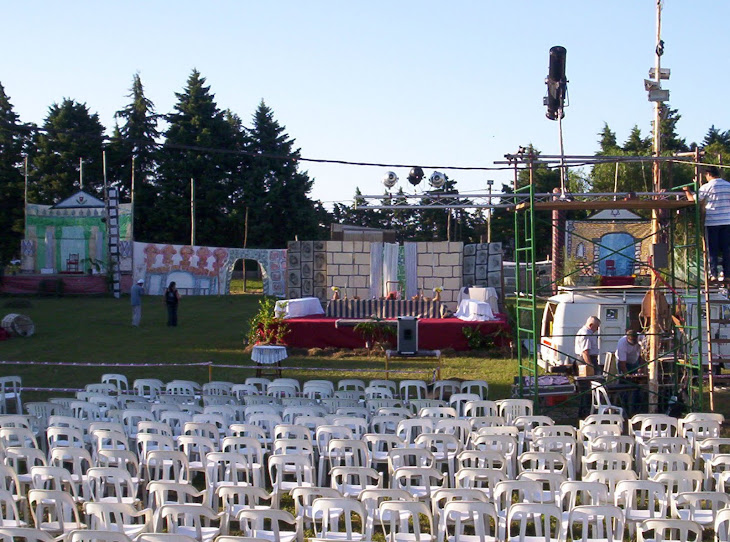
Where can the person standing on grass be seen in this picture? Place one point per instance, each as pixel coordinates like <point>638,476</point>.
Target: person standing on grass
<point>172,299</point>
<point>136,294</point>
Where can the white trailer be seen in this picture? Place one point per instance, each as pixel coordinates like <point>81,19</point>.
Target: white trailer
<point>618,308</point>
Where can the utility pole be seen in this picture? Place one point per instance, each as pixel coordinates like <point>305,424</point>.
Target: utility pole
<point>654,339</point>
<point>490,182</point>
<point>192,212</point>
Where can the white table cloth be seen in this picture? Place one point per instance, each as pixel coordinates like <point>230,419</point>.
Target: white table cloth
<point>474,311</point>
<point>265,354</point>
<point>296,308</point>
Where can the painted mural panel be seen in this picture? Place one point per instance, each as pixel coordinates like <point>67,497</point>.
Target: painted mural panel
<point>203,270</point>
<point>53,233</point>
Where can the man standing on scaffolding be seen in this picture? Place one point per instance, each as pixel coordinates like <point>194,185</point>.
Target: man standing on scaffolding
<point>715,193</point>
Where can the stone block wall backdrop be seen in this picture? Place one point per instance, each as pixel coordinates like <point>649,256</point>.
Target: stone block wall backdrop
<point>483,267</point>
<point>315,266</point>
<point>440,264</point>
<point>348,268</point>
<point>307,269</point>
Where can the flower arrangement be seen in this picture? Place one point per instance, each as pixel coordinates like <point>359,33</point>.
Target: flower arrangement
<point>335,293</point>
<point>438,290</point>
<point>335,289</point>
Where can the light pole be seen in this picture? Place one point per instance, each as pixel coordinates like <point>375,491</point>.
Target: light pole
<point>490,182</point>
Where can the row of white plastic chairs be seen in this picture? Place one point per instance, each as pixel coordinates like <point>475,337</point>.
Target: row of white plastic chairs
<point>658,423</point>
<point>406,389</point>
<point>447,437</point>
<point>493,450</point>
<point>515,512</point>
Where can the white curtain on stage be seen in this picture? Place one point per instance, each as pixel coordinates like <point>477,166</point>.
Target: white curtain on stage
<point>411,260</point>
<point>376,270</point>
<point>390,267</point>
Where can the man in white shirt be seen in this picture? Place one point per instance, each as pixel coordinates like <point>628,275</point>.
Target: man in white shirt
<point>715,194</point>
<point>628,352</point>
<point>586,344</point>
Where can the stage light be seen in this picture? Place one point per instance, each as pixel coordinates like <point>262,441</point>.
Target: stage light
<point>415,175</point>
<point>557,83</point>
<point>390,179</point>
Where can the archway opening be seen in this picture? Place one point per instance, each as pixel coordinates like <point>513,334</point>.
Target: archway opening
<point>247,278</point>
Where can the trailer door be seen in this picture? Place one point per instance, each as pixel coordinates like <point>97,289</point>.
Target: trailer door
<point>613,327</point>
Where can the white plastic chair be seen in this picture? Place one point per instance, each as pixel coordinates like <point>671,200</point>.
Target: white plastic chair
<point>26,534</point>
<point>266,524</point>
<point>304,497</point>
<point>670,530</point>
<point>329,513</point>
<point>699,506</point>
<point>118,517</point>
<point>544,518</point>
<point>603,523</point>
<point>54,511</point>
<point>87,535</point>
<point>193,520</point>
<point>351,481</point>
<point>401,521</point>
<point>479,516</point>
<point>287,472</point>
<point>640,500</point>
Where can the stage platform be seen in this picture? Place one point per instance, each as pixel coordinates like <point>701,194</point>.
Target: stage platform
<point>433,333</point>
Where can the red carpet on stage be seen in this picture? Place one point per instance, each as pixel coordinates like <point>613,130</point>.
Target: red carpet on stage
<point>433,333</point>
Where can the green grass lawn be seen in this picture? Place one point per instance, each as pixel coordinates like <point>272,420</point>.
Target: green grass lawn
<point>211,328</point>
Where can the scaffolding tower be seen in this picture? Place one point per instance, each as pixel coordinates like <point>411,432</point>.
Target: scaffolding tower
<point>683,282</point>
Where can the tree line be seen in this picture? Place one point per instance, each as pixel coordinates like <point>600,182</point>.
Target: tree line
<point>250,174</point>
<point>242,174</point>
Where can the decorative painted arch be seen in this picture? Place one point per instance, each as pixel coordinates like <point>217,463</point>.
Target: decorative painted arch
<point>273,268</point>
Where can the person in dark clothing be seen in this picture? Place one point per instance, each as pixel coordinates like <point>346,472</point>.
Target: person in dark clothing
<point>172,299</point>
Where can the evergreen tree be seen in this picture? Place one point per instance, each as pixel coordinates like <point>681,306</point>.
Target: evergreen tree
<point>276,192</point>
<point>11,180</point>
<point>195,148</point>
<point>137,138</point>
<point>716,145</point>
<point>70,133</point>
<point>714,135</point>
<point>607,140</point>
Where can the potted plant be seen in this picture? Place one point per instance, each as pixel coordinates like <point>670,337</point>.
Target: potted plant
<point>265,327</point>
<point>376,332</point>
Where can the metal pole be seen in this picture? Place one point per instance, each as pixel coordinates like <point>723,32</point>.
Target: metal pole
<point>103,165</point>
<point>131,198</point>
<point>654,341</point>
<point>25,197</point>
<point>192,212</point>
<point>490,182</point>
<point>81,173</point>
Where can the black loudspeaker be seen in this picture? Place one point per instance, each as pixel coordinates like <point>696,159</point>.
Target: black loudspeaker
<point>407,335</point>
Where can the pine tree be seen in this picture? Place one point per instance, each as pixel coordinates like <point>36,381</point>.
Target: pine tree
<point>276,192</point>
<point>70,133</point>
<point>607,141</point>
<point>137,138</point>
<point>12,139</point>
<point>200,145</point>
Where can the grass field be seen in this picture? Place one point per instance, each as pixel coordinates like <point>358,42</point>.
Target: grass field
<point>93,330</point>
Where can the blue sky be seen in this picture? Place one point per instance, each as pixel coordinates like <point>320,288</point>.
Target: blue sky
<point>449,83</point>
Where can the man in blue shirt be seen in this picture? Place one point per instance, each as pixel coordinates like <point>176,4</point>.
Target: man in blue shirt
<point>715,194</point>
<point>137,292</point>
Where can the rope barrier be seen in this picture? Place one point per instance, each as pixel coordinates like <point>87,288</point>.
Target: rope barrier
<point>209,364</point>
<point>104,364</point>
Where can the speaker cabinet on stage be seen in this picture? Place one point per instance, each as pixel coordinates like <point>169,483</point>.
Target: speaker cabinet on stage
<point>407,335</point>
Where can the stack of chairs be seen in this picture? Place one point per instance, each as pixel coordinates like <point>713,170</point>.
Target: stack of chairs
<point>419,463</point>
